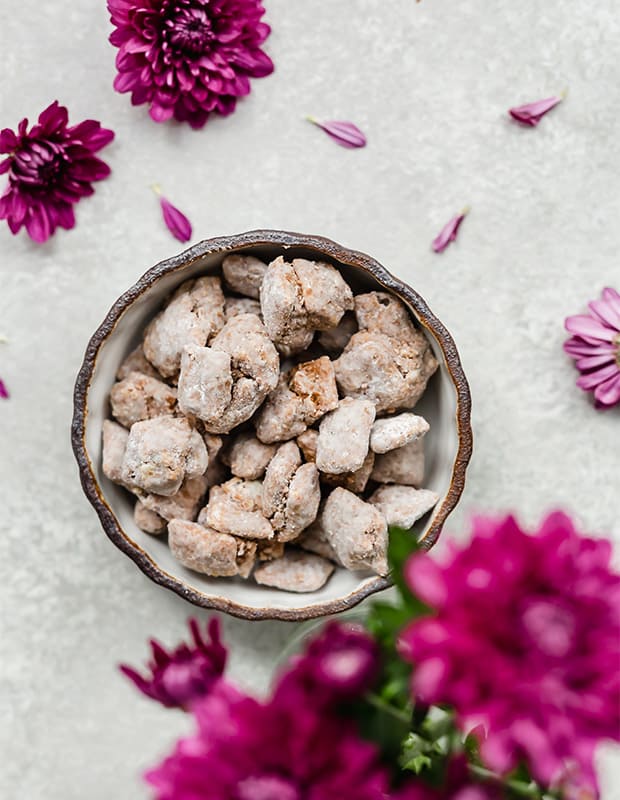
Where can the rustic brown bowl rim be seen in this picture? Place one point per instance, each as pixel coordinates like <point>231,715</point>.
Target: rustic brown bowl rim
<point>343,255</point>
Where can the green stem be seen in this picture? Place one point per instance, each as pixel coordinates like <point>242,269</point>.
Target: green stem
<point>377,702</point>
<point>522,789</point>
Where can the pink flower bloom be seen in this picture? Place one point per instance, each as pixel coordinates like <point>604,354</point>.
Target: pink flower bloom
<point>458,784</point>
<point>525,642</point>
<point>345,133</point>
<point>189,58</point>
<point>4,392</point>
<point>449,232</point>
<point>339,664</point>
<point>188,673</point>
<point>178,224</point>
<point>246,750</point>
<point>595,346</point>
<point>50,168</point>
<point>532,113</point>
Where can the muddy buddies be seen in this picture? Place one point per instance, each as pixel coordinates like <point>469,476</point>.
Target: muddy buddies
<point>267,424</point>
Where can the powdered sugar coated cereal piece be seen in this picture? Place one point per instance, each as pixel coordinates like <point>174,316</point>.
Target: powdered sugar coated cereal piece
<point>306,442</point>
<point>357,531</point>
<point>278,476</point>
<point>353,481</point>
<point>208,551</point>
<point>234,306</point>
<point>403,505</point>
<point>404,465</point>
<point>138,397</point>
<point>392,432</point>
<point>147,520</point>
<point>392,373</point>
<point>136,362</point>
<point>114,445</point>
<point>342,445</point>
<point>302,502</point>
<point>248,457</point>
<point>184,504</point>
<point>161,452</point>
<point>255,369</point>
<point>315,539</point>
<point>205,382</point>
<point>193,316</point>
<point>295,571</point>
<point>282,306</point>
<point>302,396</point>
<point>325,294</point>
<point>380,312</point>
<point>235,508</point>
<point>244,274</point>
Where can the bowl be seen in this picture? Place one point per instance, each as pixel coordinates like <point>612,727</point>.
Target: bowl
<point>446,405</point>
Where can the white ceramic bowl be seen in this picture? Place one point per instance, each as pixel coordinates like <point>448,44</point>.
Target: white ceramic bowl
<point>446,405</point>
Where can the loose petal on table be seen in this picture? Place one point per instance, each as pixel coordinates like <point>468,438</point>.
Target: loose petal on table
<point>449,232</point>
<point>4,392</point>
<point>178,224</point>
<point>532,113</point>
<point>345,133</point>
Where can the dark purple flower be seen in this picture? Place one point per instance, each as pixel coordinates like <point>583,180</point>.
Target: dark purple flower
<point>449,232</point>
<point>339,664</point>
<point>188,673</point>
<point>345,133</point>
<point>525,642</point>
<point>188,58</point>
<point>246,750</point>
<point>50,168</point>
<point>457,784</point>
<point>595,346</point>
<point>531,113</point>
<point>178,224</point>
<point>4,392</point>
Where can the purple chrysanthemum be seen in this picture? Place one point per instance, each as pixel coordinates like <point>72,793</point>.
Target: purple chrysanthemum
<point>188,58</point>
<point>339,664</point>
<point>246,750</point>
<point>525,642</point>
<point>595,346</point>
<point>186,674</point>
<point>50,168</point>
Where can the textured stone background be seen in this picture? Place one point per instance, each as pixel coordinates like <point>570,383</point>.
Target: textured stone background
<point>430,84</point>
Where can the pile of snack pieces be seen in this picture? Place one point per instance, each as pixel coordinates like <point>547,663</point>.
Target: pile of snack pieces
<point>286,401</point>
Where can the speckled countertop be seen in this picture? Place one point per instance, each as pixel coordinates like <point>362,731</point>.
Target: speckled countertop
<point>429,83</point>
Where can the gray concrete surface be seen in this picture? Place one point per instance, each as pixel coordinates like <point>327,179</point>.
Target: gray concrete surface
<point>430,84</point>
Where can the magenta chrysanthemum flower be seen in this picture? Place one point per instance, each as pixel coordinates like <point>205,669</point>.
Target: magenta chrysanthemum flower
<point>188,58</point>
<point>339,664</point>
<point>50,168</point>
<point>525,642</point>
<point>246,750</point>
<point>186,674</point>
<point>595,346</point>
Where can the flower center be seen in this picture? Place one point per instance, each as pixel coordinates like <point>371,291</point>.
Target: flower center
<point>189,30</point>
<point>267,787</point>
<point>550,627</point>
<point>616,341</point>
<point>38,164</point>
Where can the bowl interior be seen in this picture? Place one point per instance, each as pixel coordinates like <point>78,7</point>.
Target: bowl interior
<point>438,405</point>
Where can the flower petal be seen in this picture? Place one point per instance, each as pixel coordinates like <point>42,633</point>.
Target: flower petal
<point>38,224</point>
<point>532,113</point>
<point>588,382</point>
<point>346,134</point>
<point>608,392</point>
<point>178,224</point>
<point>448,233</point>
<point>577,347</point>
<point>8,141</point>
<point>4,392</point>
<point>584,325</point>
<point>590,362</point>
<point>606,313</point>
